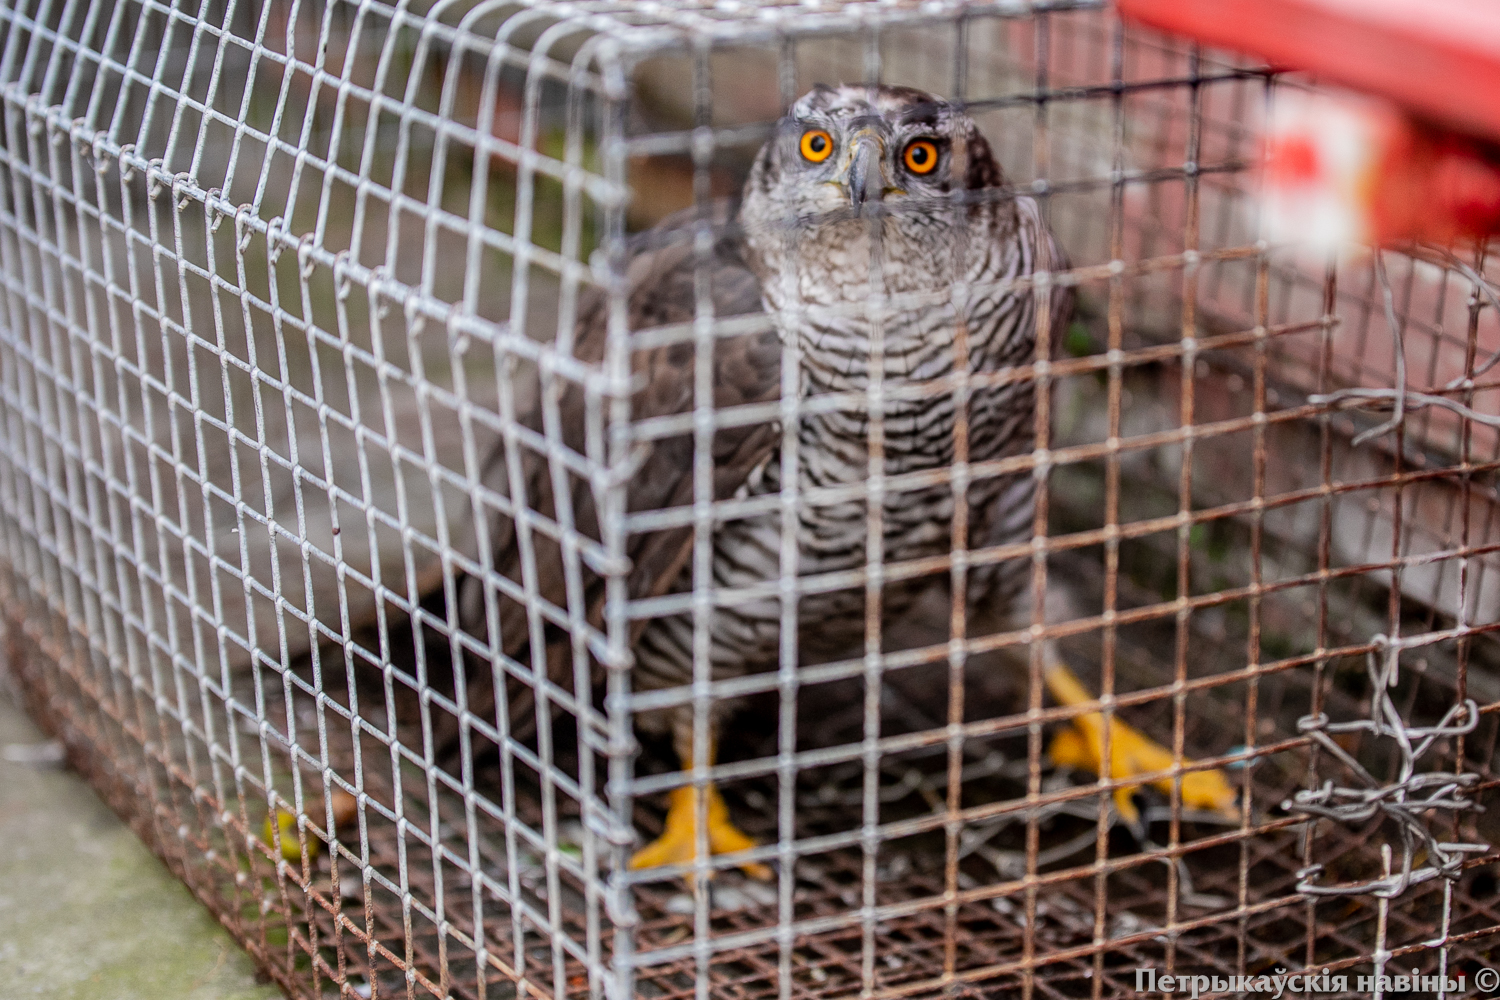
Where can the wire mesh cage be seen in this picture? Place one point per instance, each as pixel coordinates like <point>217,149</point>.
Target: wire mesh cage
<point>376,405</point>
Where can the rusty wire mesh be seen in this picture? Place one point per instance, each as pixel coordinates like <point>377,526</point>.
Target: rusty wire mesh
<point>278,278</point>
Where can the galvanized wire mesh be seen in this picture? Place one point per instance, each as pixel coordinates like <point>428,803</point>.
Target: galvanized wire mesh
<point>280,278</point>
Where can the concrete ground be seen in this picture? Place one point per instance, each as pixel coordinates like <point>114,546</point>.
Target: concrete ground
<point>86,912</point>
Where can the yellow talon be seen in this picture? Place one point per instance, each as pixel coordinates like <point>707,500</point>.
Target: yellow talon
<point>345,812</point>
<point>1131,753</point>
<point>291,847</point>
<point>679,841</point>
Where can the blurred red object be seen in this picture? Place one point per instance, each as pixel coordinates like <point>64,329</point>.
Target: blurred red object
<point>1429,173</point>
<point>1341,168</point>
<point>1436,186</point>
<point>1441,58</point>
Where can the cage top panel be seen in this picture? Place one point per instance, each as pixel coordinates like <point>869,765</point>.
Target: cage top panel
<point>643,27</point>
<point>573,41</point>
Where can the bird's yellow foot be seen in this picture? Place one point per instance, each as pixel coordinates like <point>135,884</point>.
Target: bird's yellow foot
<point>1131,753</point>
<point>345,812</point>
<point>286,825</point>
<point>678,843</point>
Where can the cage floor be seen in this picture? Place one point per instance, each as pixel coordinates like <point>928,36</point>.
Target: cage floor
<point>1237,913</point>
<point>386,919</point>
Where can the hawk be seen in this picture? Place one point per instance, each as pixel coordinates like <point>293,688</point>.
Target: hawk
<point>875,232</point>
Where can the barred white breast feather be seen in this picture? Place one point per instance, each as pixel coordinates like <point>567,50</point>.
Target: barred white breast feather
<point>877,232</point>
<point>909,293</point>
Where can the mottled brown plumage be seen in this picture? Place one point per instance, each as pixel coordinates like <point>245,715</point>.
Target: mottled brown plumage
<point>660,279</point>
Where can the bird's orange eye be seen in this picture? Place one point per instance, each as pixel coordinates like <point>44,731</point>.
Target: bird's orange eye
<point>921,156</point>
<point>816,145</point>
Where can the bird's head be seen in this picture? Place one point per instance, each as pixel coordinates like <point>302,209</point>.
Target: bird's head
<point>852,165</point>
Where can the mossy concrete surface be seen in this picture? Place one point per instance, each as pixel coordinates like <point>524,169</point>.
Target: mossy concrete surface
<point>86,911</point>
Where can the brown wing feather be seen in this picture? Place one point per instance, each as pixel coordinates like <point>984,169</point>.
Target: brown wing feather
<point>747,369</point>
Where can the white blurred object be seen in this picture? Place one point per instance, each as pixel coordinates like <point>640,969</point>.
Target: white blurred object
<point>1323,155</point>
<point>1346,170</point>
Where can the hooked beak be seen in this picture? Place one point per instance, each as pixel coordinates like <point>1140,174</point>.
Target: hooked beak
<point>863,177</point>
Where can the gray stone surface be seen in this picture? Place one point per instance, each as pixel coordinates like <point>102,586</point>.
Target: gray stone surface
<point>86,911</point>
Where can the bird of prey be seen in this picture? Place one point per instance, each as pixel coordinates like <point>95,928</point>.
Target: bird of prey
<point>875,232</point>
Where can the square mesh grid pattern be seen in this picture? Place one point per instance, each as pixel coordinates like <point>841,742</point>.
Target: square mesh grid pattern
<point>282,280</point>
